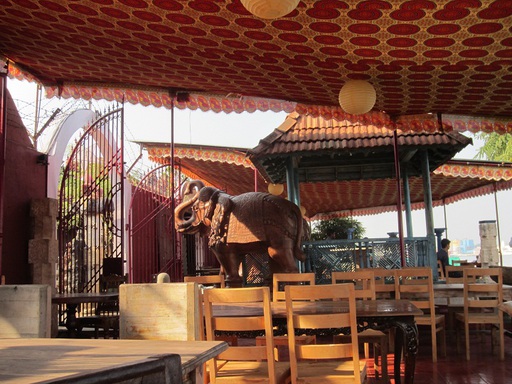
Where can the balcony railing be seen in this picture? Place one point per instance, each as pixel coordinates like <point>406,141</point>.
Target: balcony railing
<point>323,257</point>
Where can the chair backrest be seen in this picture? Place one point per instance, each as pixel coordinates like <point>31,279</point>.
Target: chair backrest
<point>416,285</point>
<point>483,289</point>
<point>280,280</point>
<point>159,311</point>
<point>440,270</point>
<point>363,280</point>
<point>455,273</point>
<point>318,320</point>
<point>241,323</point>
<point>110,283</point>
<point>384,282</point>
<point>217,281</point>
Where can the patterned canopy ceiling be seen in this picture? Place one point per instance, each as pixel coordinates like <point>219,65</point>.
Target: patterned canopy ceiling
<point>230,170</point>
<point>448,57</point>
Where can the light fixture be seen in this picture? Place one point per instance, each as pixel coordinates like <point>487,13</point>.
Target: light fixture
<point>270,9</point>
<point>357,97</point>
<point>275,189</point>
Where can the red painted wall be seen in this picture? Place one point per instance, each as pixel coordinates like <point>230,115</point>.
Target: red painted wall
<point>25,180</point>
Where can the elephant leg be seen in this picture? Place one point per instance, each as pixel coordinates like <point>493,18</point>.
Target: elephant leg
<point>283,260</point>
<point>230,263</point>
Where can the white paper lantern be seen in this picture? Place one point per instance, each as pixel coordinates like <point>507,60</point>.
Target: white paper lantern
<point>357,97</point>
<point>275,189</point>
<point>270,9</point>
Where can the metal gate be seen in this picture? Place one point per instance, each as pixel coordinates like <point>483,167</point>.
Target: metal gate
<point>154,246</point>
<point>91,206</point>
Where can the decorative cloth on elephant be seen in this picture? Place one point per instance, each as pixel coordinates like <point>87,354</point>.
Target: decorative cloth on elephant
<point>243,228</point>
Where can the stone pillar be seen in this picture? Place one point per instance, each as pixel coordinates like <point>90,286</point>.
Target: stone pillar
<point>43,247</point>
<point>488,246</point>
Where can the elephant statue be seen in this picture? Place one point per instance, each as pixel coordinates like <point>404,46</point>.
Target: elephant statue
<point>253,222</point>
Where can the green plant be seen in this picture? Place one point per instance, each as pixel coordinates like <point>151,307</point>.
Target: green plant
<point>337,229</point>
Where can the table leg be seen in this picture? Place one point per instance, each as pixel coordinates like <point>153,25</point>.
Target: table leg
<point>71,320</point>
<point>406,337</point>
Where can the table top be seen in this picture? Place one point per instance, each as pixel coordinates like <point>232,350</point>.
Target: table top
<point>457,289</point>
<point>48,360</point>
<point>365,308</point>
<point>84,297</point>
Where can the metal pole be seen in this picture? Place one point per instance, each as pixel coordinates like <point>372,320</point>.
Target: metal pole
<point>399,199</point>
<point>407,197</point>
<point>497,222</point>
<point>3,128</point>
<point>173,233</point>
<point>445,221</point>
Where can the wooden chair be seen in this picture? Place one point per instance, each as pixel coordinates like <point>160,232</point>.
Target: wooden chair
<point>440,271</point>
<point>106,315</point>
<point>454,275</point>
<point>364,283</point>
<point>279,280</point>
<point>323,363</point>
<point>210,281</point>
<point>248,363</point>
<point>416,284</point>
<point>217,281</point>
<point>481,304</point>
<point>384,283</point>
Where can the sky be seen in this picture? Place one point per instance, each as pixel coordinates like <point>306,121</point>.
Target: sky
<point>246,129</point>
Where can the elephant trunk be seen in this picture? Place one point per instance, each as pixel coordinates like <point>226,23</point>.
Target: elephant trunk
<point>184,214</point>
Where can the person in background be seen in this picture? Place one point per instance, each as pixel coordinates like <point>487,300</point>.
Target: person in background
<point>442,254</point>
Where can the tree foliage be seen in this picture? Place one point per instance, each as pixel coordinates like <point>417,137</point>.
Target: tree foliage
<point>337,229</point>
<point>496,147</point>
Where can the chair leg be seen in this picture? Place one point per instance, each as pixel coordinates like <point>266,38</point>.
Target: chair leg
<point>466,333</point>
<point>381,349</point>
<point>434,342</point>
<point>501,336</point>
<point>443,339</point>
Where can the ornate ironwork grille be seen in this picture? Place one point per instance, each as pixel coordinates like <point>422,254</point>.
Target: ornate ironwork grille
<point>326,256</point>
<point>91,205</point>
<point>154,247</point>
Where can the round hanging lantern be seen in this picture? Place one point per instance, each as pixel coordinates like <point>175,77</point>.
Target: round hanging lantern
<point>357,97</point>
<point>270,9</point>
<point>303,210</point>
<point>275,189</point>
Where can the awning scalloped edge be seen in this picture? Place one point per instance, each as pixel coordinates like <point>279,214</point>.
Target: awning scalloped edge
<point>158,97</point>
<point>160,154</point>
<point>475,171</point>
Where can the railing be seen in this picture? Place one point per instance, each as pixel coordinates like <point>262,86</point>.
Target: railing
<point>323,257</point>
<point>326,256</point>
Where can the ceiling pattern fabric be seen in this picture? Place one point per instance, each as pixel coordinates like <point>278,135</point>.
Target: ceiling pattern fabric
<point>230,171</point>
<point>450,57</point>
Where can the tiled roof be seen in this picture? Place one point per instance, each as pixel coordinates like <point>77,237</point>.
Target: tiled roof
<point>318,142</point>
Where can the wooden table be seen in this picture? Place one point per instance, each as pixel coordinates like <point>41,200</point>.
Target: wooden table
<point>375,314</point>
<point>81,361</point>
<point>457,290</point>
<point>73,300</point>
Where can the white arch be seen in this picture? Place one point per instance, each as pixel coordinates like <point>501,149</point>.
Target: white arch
<point>58,143</point>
